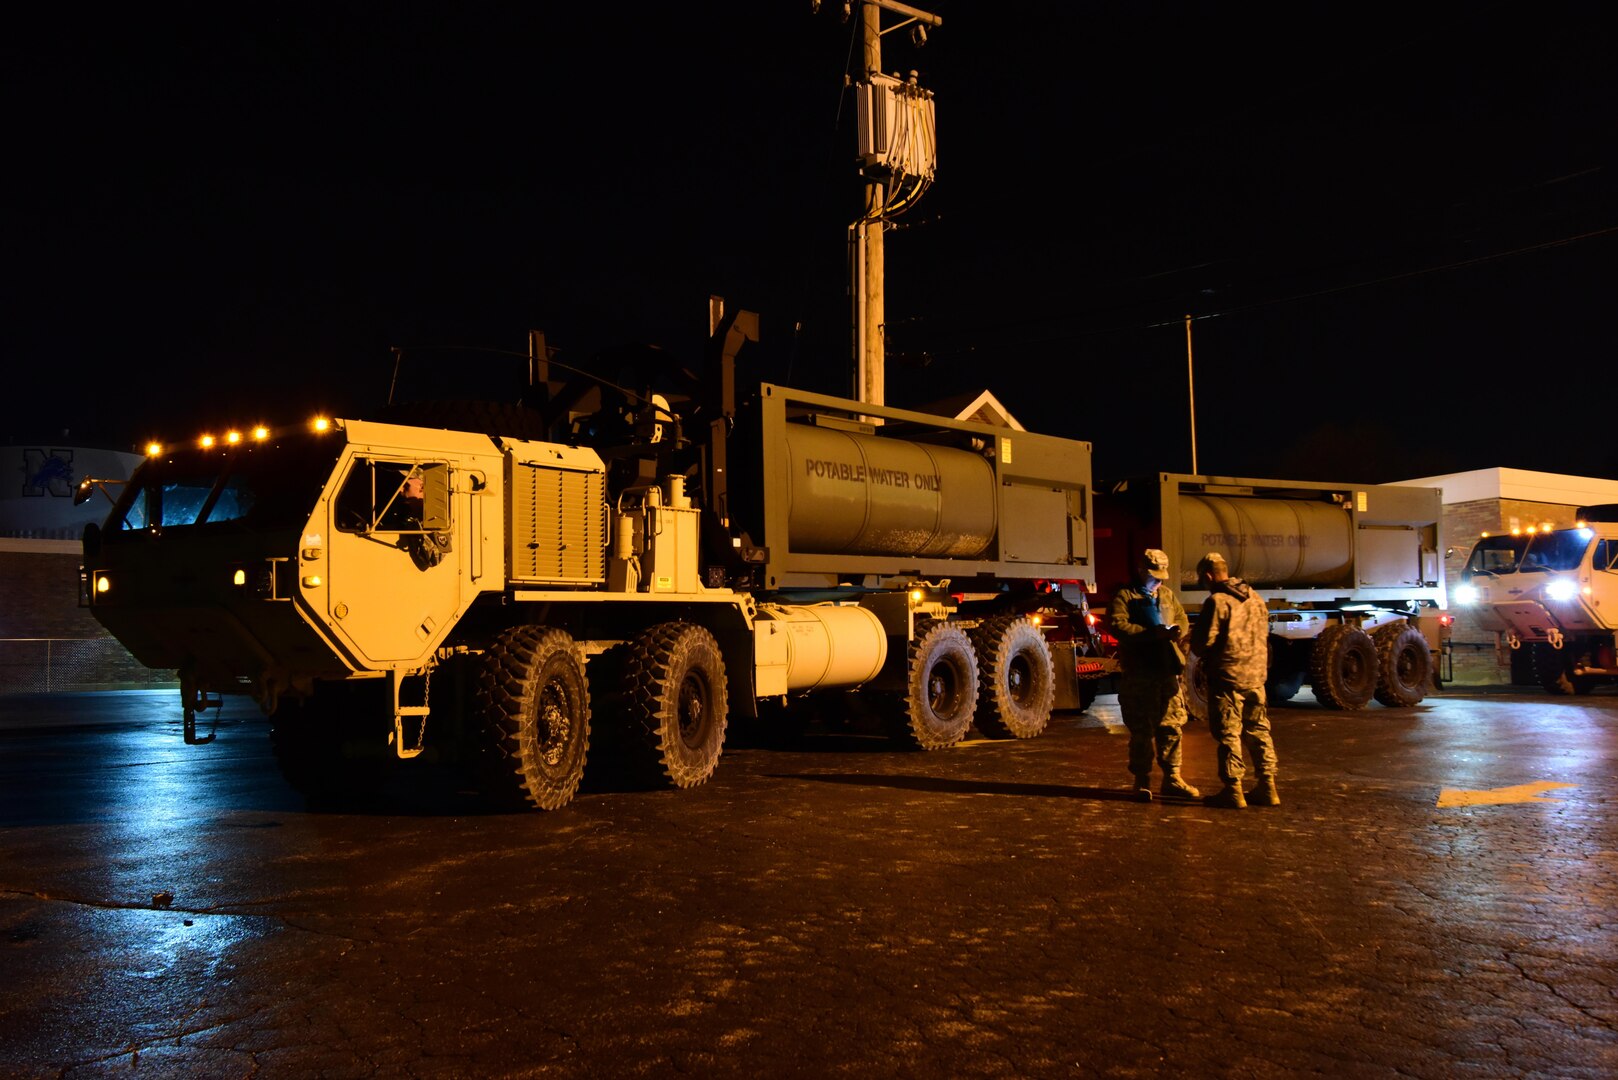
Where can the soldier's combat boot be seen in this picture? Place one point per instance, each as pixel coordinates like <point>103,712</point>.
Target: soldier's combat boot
<point>1229,798</point>
<point>1174,786</point>
<point>1143,787</point>
<point>1264,793</point>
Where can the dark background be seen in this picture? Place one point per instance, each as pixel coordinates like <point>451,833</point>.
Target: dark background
<point>1396,231</point>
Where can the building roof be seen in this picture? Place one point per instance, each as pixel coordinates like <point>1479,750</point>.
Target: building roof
<point>985,408</point>
<point>1522,485</point>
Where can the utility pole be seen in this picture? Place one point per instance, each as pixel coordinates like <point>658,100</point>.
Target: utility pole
<point>896,122</point>
<point>872,316</point>
<point>1191,393</point>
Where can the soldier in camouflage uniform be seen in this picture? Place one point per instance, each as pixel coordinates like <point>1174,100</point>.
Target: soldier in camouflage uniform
<point>1232,641</point>
<point>1149,622</point>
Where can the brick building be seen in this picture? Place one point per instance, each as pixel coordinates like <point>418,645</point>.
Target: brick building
<point>1499,501</point>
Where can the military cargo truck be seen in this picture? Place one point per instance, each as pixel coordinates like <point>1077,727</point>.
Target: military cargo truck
<point>505,585</point>
<point>1352,574</point>
<point>1553,593</point>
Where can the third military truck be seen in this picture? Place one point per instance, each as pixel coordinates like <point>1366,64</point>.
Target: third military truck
<point>1352,574</point>
<point>604,564</point>
<point>1553,593</point>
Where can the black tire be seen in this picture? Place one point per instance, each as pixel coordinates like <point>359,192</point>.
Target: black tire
<point>1285,673</point>
<point>1343,667</point>
<point>331,747</point>
<point>941,687</point>
<point>675,706</point>
<point>534,707</point>
<point>1284,687</point>
<point>1194,687</point>
<point>1016,683</point>
<point>1404,665</point>
<point>1553,668</point>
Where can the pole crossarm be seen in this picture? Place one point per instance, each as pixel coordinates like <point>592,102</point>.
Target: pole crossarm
<point>915,14</point>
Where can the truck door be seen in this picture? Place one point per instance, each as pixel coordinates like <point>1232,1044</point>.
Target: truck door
<point>395,581</point>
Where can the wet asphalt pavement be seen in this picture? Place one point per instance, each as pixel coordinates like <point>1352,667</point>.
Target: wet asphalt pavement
<point>1436,897</point>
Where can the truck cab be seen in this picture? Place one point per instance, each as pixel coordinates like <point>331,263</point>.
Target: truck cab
<point>1555,593</point>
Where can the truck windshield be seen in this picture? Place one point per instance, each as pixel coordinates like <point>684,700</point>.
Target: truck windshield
<point>1495,555</point>
<point>262,487</point>
<point>1562,550</point>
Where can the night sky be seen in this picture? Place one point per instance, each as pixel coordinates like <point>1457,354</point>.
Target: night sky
<point>1397,234</point>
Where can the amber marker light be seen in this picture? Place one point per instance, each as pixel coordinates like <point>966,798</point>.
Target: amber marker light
<point>239,578</point>
<point>103,583</point>
<point>320,423</point>
<point>153,449</point>
<point>261,433</point>
<point>207,442</point>
<point>233,437</point>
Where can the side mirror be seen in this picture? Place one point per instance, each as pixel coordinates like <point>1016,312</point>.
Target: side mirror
<point>90,485</point>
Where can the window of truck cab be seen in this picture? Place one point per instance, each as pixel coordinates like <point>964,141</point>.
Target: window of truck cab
<point>260,487</point>
<point>1495,555</point>
<point>1562,549</point>
<point>381,495</point>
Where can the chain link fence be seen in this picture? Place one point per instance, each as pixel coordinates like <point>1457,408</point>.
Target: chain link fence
<point>74,665</point>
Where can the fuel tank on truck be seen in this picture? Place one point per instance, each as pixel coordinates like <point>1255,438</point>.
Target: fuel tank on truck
<point>1269,542</point>
<point>854,494</point>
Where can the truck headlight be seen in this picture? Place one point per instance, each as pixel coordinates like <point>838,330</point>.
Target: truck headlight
<point>1562,589</point>
<point>1466,594</point>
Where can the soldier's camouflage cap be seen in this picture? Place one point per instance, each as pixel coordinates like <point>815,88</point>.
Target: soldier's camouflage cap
<point>1156,563</point>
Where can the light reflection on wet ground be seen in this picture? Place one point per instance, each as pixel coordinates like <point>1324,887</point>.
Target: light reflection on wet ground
<point>477,943</point>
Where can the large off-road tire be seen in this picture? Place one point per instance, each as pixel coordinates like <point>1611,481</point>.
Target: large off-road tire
<point>1404,665</point>
<point>1194,687</point>
<point>1553,668</point>
<point>533,705</point>
<point>1343,667</point>
<point>332,747</point>
<point>1016,683</point>
<point>1285,671</point>
<point>941,687</point>
<point>675,706</point>
<point>1285,685</point>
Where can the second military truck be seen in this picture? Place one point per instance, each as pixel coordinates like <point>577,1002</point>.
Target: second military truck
<point>1352,574</point>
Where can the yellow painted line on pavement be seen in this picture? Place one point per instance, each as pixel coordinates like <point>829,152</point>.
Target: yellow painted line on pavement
<point>1517,793</point>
